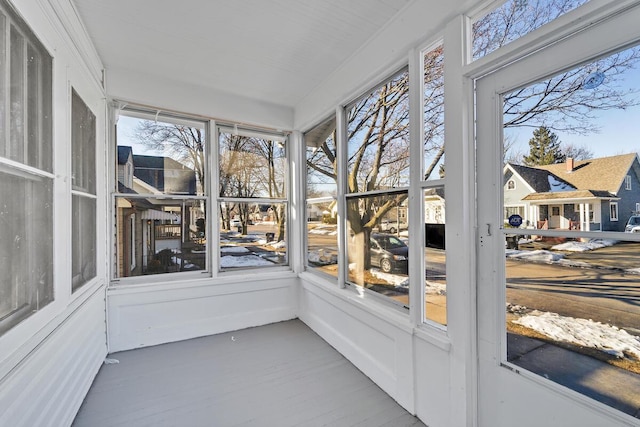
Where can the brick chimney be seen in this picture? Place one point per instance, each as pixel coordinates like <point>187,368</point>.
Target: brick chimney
<point>569,164</point>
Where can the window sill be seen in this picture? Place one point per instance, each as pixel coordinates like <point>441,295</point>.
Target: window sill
<point>203,280</point>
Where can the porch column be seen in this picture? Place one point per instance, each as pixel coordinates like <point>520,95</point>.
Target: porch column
<point>582,224</point>
<point>586,217</point>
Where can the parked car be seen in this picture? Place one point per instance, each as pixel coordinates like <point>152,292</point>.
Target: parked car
<point>389,253</point>
<point>392,226</point>
<point>235,223</point>
<point>633,225</point>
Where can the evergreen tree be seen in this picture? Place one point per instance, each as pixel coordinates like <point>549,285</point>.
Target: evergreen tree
<point>544,148</point>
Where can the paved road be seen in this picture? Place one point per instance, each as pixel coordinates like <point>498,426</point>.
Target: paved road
<point>604,293</point>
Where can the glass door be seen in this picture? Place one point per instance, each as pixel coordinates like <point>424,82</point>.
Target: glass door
<point>558,285</point>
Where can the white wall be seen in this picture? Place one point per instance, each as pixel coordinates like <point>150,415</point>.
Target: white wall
<point>143,315</point>
<point>49,360</point>
<point>144,89</point>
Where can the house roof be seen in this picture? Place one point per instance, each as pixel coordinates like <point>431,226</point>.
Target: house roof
<point>124,152</point>
<point>538,179</point>
<point>565,195</point>
<point>602,174</point>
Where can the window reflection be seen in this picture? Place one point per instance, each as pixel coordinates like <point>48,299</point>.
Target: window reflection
<point>570,206</point>
<point>435,256</point>
<point>377,244</point>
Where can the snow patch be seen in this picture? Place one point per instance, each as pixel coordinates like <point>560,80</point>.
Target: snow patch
<point>584,246</point>
<point>584,332</point>
<point>393,279</point>
<point>537,255</point>
<point>229,261</point>
<point>234,249</point>
<point>557,185</point>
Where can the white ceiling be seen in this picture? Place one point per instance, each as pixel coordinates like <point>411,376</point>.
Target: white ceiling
<point>270,50</point>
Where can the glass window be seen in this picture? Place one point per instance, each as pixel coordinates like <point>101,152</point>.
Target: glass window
<point>378,138</point>
<point>83,142</point>
<point>378,161</point>
<point>627,182</point>
<point>565,290</point>
<point>514,19</point>
<point>26,179</point>
<point>613,211</point>
<point>433,100</point>
<point>433,200</point>
<point>321,202</point>
<point>161,194</point>
<point>435,256</point>
<point>377,244</point>
<point>252,201</point>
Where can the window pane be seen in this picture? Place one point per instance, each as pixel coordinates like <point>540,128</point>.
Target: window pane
<point>568,294</point>
<point>377,244</point>
<point>160,157</point>
<point>322,236</point>
<point>17,97</point>
<point>26,245</point>
<point>251,166</point>
<point>433,93</point>
<point>29,98</point>
<point>514,19</point>
<point>83,143</point>
<point>321,160</point>
<point>3,86</point>
<point>322,212</point>
<point>378,138</point>
<point>435,256</point>
<point>252,235</point>
<point>84,240</point>
<point>159,236</point>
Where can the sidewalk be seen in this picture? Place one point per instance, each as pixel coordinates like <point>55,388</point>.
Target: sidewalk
<point>608,384</point>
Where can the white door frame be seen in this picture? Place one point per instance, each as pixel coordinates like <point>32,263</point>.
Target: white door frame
<point>506,393</point>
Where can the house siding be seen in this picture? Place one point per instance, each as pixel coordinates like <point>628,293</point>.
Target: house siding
<point>628,198</point>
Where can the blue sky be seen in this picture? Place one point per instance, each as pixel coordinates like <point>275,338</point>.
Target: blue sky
<point>619,129</point>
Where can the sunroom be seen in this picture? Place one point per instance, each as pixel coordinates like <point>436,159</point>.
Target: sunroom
<point>285,171</point>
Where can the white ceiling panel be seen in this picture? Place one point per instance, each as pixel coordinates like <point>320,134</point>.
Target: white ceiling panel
<point>270,50</point>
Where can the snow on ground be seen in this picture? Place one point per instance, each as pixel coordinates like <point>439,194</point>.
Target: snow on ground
<point>322,257</point>
<point>277,245</point>
<point>585,332</point>
<point>228,261</point>
<point>537,255</point>
<point>397,280</point>
<point>234,249</point>
<point>321,229</point>
<point>433,288</point>
<point>584,246</point>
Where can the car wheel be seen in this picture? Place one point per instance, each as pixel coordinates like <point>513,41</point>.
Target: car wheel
<point>392,230</point>
<point>385,265</point>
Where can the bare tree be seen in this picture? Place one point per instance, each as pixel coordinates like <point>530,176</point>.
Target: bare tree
<point>562,103</point>
<point>576,152</point>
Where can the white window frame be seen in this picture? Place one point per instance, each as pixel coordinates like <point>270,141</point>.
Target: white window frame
<point>613,211</point>
<point>627,182</point>
<point>42,168</point>
<point>286,200</point>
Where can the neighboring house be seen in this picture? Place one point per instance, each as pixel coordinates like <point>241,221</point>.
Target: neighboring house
<point>434,204</point>
<point>594,194</point>
<point>153,223</point>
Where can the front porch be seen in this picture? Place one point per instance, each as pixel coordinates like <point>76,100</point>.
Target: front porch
<point>281,374</point>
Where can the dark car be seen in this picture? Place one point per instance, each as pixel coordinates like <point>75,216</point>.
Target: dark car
<point>389,253</point>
